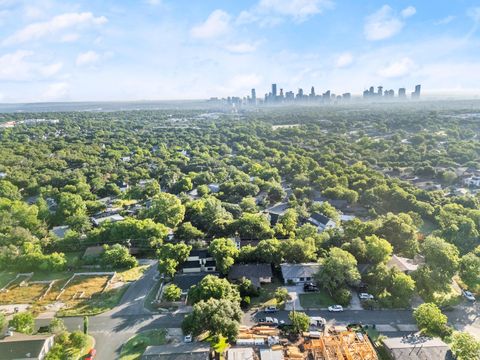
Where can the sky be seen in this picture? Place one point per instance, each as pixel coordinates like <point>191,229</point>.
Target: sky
<point>62,50</point>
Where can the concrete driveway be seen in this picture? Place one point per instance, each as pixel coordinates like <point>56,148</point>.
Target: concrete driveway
<point>294,303</point>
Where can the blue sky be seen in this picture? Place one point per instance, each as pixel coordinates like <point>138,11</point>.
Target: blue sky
<point>60,50</point>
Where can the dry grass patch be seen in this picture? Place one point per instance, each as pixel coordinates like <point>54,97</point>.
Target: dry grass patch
<point>22,294</point>
<point>83,287</point>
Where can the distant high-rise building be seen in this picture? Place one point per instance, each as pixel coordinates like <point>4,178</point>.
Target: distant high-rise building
<point>372,91</point>
<point>274,91</point>
<point>253,98</point>
<point>402,93</point>
<point>380,90</point>
<point>416,93</point>
<point>312,92</point>
<point>290,96</point>
<point>348,96</point>
<point>300,94</point>
<point>281,94</point>
<point>326,95</point>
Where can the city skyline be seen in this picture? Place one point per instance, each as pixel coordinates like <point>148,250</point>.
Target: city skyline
<point>52,50</point>
<point>278,97</point>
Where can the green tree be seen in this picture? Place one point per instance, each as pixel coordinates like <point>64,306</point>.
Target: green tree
<point>118,257</point>
<point>430,319</point>
<point>252,226</point>
<point>287,223</point>
<point>269,251</point>
<point>400,231</point>
<point>23,322</point>
<point>298,250</point>
<point>339,270</point>
<point>172,293</point>
<point>85,325</point>
<point>281,295</point>
<point>224,251</point>
<point>167,267</point>
<point>300,322</point>
<point>470,270</point>
<point>187,232</point>
<point>377,250</point>
<point>464,346</point>
<point>9,191</point>
<point>401,289</point>
<point>212,286</point>
<point>166,209</point>
<point>218,317</point>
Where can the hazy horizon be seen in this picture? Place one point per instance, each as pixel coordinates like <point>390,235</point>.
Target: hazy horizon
<point>169,50</point>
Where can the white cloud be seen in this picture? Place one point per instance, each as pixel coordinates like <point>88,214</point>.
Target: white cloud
<point>70,37</point>
<point>54,26</point>
<point>56,91</point>
<point>217,24</point>
<point>344,60</point>
<point>242,48</point>
<point>272,12</point>
<point>446,20</point>
<point>385,23</point>
<point>474,13</point>
<point>17,67</point>
<point>408,11</point>
<point>397,69</point>
<point>153,2</point>
<point>87,58</point>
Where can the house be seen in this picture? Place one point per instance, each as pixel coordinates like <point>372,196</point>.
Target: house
<point>321,221</point>
<point>472,181</point>
<point>299,273</point>
<point>417,348</point>
<point>276,211</point>
<point>269,354</point>
<point>186,281</point>
<point>241,353</point>
<point>60,231</point>
<point>214,188</point>
<point>112,218</point>
<point>405,265</point>
<point>199,261</point>
<point>256,273</point>
<point>26,347</point>
<point>179,351</point>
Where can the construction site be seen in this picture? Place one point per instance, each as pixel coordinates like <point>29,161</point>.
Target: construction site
<point>267,343</point>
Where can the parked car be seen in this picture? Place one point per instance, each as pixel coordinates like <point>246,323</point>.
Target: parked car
<point>365,296</point>
<point>310,287</point>
<point>268,321</point>
<point>317,321</point>
<point>335,308</point>
<point>91,354</point>
<point>468,295</point>
<point>270,309</point>
<point>188,338</point>
<point>8,333</point>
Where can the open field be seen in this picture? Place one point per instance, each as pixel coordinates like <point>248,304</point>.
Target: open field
<point>22,294</point>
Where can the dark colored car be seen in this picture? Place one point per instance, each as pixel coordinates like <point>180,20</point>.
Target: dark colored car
<point>310,287</point>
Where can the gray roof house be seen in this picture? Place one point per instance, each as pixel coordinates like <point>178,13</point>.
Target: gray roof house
<point>299,273</point>
<point>322,222</point>
<point>417,348</point>
<point>180,351</point>
<point>256,273</point>
<point>26,347</point>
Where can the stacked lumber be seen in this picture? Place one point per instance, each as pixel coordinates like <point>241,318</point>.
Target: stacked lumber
<point>293,353</point>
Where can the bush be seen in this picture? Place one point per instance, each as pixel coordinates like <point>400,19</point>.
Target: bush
<point>172,293</point>
<point>23,322</point>
<point>118,257</point>
<point>342,296</point>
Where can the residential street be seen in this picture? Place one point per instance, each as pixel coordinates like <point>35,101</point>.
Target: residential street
<point>113,328</point>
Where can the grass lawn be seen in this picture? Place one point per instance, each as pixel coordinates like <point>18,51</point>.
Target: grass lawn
<point>316,300</point>
<point>50,275</point>
<point>134,348</point>
<point>5,277</point>
<point>99,303</point>
<point>132,274</point>
<point>267,294</point>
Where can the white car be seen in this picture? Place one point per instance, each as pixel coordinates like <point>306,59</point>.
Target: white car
<point>188,339</point>
<point>335,308</point>
<point>468,295</point>
<point>365,296</point>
